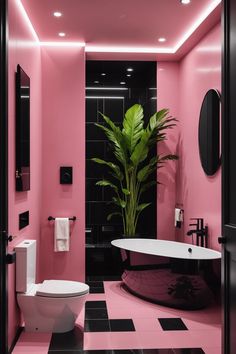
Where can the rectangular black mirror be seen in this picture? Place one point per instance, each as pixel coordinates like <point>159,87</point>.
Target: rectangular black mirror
<point>22,130</point>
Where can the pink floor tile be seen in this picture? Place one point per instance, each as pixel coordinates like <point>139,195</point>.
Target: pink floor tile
<point>96,297</point>
<point>131,313</point>
<point>146,324</point>
<point>125,340</point>
<point>167,339</point>
<point>195,325</point>
<point>99,340</point>
<point>207,338</point>
<point>37,343</point>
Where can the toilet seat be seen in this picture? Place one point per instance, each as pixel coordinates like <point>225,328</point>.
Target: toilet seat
<point>61,288</point>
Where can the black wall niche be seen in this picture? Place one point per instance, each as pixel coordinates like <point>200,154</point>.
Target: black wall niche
<point>111,88</point>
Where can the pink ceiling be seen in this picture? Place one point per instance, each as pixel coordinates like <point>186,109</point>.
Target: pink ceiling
<point>135,23</point>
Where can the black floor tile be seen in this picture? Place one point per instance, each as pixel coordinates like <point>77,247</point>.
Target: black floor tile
<point>96,326</point>
<point>68,341</point>
<point>172,324</point>
<point>189,351</point>
<point>96,290</point>
<point>95,284</point>
<point>96,314</point>
<point>124,325</point>
<point>95,305</point>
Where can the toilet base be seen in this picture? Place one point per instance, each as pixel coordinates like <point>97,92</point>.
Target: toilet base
<point>44,314</point>
<point>50,324</point>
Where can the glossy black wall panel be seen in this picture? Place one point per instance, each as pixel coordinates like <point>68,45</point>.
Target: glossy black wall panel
<point>116,99</point>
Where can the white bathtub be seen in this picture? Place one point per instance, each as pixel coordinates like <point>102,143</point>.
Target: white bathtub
<point>174,274</point>
<point>166,248</point>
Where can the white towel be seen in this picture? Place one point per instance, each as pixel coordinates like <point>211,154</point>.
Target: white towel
<point>178,217</point>
<point>61,234</point>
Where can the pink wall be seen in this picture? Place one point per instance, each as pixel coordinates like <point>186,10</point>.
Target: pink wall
<point>24,51</point>
<point>199,194</point>
<point>167,97</point>
<point>59,120</point>
<point>63,108</point>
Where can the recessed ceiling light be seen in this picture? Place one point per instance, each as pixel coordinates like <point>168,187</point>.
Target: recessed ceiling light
<point>61,34</point>
<point>162,39</point>
<point>57,14</point>
<point>185,2</point>
<point>96,82</point>
<point>128,75</point>
<point>130,69</point>
<point>122,82</point>
<point>103,74</point>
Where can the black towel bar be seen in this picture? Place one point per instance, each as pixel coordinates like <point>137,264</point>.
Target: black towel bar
<point>52,218</point>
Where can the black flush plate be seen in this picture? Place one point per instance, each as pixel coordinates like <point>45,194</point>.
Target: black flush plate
<point>66,175</point>
<point>23,219</point>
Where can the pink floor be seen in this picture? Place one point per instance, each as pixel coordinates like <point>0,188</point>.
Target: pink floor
<point>204,326</point>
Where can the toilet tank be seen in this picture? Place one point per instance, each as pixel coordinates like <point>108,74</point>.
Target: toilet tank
<point>25,265</point>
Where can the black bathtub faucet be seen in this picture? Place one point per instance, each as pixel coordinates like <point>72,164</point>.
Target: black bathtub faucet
<point>200,231</point>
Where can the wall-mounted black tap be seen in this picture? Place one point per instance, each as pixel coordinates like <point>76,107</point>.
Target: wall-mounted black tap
<point>200,231</point>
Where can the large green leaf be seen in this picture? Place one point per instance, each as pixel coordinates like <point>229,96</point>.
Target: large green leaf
<point>133,126</point>
<point>116,137</point>
<point>125,191</point>
<point>145,172</point>
<point>106,183</point>
<point>141,149</point>
<point>143,206</point>
<point>115,168</point>
<point>120,202</point>
<point>112,215</point>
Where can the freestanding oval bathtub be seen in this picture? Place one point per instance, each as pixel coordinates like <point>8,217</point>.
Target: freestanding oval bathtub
<point>170,273</point>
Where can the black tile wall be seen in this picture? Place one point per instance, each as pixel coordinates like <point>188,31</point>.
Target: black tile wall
<point>94,149</point>
<point>94,133</point>
<point>91,110</point>
<point>143,78</point>
<point>114,109</point>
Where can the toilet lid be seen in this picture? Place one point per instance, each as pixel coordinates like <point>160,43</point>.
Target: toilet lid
<point>62,288</point>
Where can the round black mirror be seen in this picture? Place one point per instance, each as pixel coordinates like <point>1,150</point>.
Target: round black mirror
<point>209,132</point>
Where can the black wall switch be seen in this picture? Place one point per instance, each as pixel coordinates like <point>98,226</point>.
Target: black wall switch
<point>23,220</point>
<point>66,175</point>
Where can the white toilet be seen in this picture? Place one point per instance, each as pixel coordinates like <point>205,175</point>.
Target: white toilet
<point>51,306</point>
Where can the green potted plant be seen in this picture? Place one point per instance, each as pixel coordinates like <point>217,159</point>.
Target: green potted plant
<point>130,175</point>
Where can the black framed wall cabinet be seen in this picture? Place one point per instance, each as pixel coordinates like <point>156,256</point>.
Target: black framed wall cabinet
<point>228,238</point>
<point>3,175</point>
